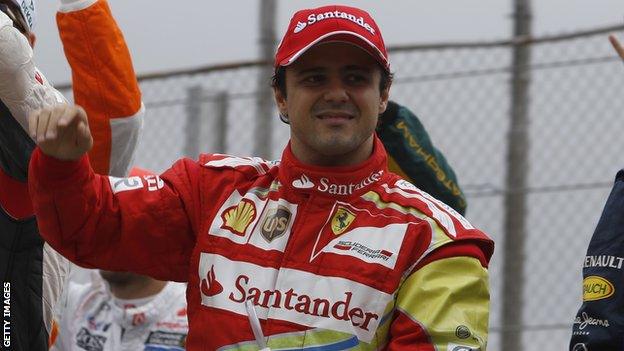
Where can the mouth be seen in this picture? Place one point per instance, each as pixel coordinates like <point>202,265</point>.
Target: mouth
<point>335,116</point>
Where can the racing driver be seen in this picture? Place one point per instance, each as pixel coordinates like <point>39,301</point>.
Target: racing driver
<point>324,249</point>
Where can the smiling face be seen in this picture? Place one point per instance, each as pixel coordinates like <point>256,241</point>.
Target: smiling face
<point>332,101</point>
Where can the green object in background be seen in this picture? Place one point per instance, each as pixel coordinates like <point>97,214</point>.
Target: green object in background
<point>413,156</point>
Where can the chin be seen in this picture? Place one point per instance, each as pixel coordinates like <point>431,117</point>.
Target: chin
<point>118,277</point>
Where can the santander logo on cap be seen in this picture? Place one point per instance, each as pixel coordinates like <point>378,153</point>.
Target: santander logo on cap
<point>317,17</point>
<point>328,23</point>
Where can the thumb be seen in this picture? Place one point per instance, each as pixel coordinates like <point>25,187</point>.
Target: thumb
<point>84,140</point>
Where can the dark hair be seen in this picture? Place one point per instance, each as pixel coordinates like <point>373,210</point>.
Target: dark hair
<point>278,80</point>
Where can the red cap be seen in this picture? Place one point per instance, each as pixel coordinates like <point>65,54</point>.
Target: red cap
<point>331,23</point>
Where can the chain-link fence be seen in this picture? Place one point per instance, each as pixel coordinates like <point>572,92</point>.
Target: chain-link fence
<point>462,94</point>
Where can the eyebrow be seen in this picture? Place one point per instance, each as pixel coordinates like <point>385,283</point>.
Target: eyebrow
<point>313,70</point>
<point>310,71</point>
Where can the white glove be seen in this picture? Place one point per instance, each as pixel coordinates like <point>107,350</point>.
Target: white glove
<point>22,87</point>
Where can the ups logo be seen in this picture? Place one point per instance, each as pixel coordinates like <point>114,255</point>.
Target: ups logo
<point>275,223</point>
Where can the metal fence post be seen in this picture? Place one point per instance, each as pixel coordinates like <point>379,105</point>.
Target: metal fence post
<point>193,121</point>
<point>263,136</point>
<point>516,183</point>
<point>220,129</point>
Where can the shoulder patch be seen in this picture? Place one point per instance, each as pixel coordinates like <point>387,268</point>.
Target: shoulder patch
<point>258,164</point>
<point>407,186</point>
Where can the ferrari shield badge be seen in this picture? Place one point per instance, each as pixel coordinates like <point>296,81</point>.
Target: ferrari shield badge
<point>341,220</point>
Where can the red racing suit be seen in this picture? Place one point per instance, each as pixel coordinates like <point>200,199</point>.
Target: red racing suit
<point>331,258</point>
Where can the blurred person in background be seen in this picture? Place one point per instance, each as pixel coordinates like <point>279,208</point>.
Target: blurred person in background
<point>121,311</point>
<point>412,155</point>
<point>33,274</point>
<point>324,249</point>
<point>599,323</point>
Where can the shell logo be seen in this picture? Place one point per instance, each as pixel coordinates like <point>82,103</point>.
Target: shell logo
<point>238,218</point>
<point>597,288</point>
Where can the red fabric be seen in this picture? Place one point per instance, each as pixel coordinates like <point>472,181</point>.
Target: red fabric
<point>213,223</point>
<point>14,197</point>
<point>311,26</point>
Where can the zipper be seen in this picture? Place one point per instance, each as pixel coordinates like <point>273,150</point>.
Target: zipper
<point>301,216</point>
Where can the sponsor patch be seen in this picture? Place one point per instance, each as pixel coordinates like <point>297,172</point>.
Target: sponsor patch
<point>341,220</point>
<point>325,185</point>
<point>125,184</point>
<point>579,347</point>
<point>154,182</point>
<point>272,230</point>
<point>362,235</point>
<point>237,215</point>
<point>297,296</point>
<point>88,341</point>
<point>597,288</point>
<point>275,223</point>
<point>318,17</point>
<point>303,182</point>
<point>585,320</point>
<point>371,245</point>
<point>209,284</point>
<point>170,341</point>
<point>238,218</point>
<point>462,332</point>
<point>456,347</point>
<point>603,261</point>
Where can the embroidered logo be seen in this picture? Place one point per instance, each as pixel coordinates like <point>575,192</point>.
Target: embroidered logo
<point>88,341</point>
<point>303,183</point>
<point>275,223</point>
<point>237,218</point>
<point>209,285</point>
<point>300,26</point>
<point>341,220</point>
<point>597,288</point>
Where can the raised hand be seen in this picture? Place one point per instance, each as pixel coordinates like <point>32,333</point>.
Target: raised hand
<point>61,131</point>
<point>617,46</point>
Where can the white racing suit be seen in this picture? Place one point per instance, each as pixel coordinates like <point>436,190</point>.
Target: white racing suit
<point>92,319</point>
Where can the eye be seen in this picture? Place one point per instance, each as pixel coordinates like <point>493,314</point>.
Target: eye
<point>313,79</point>
<point>356,78</point>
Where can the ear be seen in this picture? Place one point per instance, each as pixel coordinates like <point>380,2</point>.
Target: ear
<point>383,102</point>
<point>280,100</point>
<point>32,38</point>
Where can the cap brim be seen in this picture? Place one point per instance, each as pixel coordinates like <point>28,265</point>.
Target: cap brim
<point>340,36</point>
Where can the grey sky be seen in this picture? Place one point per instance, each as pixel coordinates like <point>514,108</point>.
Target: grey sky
<point>176,34</point>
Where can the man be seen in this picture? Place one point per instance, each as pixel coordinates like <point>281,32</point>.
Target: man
<point>122,311</point>
<point>325,249</point>
<point>33,274</point>
<point>599,323</point>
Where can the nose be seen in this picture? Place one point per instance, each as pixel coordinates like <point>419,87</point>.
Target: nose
<point>336,92</point>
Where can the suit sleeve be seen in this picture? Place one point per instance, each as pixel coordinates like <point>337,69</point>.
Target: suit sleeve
<point>412,155</point>
<point>104,83</point>
<point>599,323</point>
<point>138,224</point>
<point>23,89</point>
<point>444,303</point>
